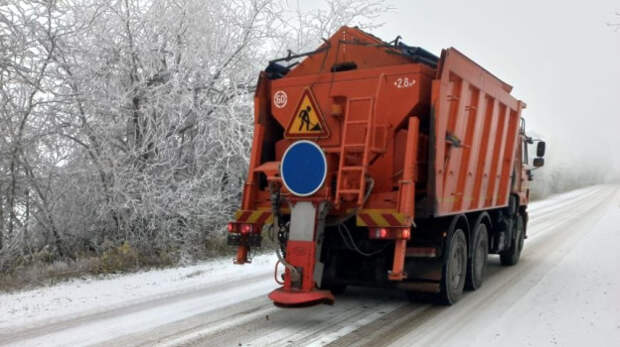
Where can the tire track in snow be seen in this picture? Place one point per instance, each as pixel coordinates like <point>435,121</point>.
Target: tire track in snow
<point>303,326</point>
<point>51,326</point>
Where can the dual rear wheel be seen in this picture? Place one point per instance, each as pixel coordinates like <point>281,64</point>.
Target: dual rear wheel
<point>459,271</point>
<point>477,265</point>
<point>454,270</point>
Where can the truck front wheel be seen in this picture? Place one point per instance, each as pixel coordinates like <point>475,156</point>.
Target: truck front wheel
<point>511,255</point>
<point>455,268</point>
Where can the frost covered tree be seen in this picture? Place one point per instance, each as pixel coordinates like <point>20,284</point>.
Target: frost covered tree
<point>28,37</point>
<point>130,120</point>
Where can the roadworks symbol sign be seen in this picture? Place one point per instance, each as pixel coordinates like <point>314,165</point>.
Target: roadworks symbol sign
<point>307,120</point>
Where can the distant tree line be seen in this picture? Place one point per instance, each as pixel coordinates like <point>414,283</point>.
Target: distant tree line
<point>563,177</point>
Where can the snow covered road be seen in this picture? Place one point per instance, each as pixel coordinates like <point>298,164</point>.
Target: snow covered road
<point>565,291</point>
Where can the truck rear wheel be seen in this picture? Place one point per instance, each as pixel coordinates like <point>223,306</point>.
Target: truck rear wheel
<point>511,256</point>
<point>455,268</point>
<point>478,263</point>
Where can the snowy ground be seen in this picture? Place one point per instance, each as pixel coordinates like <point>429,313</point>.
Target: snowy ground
<point>87,296</point>
<point>565,291</point>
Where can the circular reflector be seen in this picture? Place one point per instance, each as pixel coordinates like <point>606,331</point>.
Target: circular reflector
<point>303,168</point>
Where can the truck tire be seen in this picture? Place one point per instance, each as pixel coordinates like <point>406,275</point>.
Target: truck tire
<point>454,270</point>
<point>511,256</point>
<point>477,264</point>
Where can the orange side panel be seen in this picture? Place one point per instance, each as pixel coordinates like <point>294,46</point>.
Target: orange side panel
<point>465,179</point>
<point>486,113</point>
<point>507,170</point>
<point>476,123</point>
<point>492,143</point>
<point>500,141</point>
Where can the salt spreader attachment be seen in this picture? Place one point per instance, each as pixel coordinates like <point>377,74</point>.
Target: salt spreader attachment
<point>381,164</point>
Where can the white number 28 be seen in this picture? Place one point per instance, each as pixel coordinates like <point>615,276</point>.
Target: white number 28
<point>404,82</point>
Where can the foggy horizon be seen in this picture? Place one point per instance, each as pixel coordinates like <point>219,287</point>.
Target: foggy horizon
<point>566,72</point>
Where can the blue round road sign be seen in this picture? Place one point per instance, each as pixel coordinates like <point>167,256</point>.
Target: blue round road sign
<point>303,168</point>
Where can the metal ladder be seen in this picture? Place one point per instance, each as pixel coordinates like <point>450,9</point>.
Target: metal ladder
<point>355,183</point>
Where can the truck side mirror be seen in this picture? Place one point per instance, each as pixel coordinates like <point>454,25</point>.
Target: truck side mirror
<point>540,149</point>
<point>539,162</point>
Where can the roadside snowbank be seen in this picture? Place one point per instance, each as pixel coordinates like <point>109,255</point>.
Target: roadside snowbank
<point>86,296</point>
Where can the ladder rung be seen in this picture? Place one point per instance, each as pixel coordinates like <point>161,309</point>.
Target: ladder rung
<point>377,150</point>
<point>357,122</point>
<point>352,168</point>
<point>352,150</point>
<point>350,191</point>
<point>356,145</point>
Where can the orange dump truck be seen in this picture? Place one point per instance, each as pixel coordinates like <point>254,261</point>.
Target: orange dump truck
<point>381,164</point>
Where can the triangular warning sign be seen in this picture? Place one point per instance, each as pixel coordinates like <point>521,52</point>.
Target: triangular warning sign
<point>307,120</point>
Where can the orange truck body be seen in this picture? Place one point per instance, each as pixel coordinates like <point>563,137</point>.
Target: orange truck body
<point>411,142</point>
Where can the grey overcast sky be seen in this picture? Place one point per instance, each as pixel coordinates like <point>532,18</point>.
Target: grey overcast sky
<point>562,58</point>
